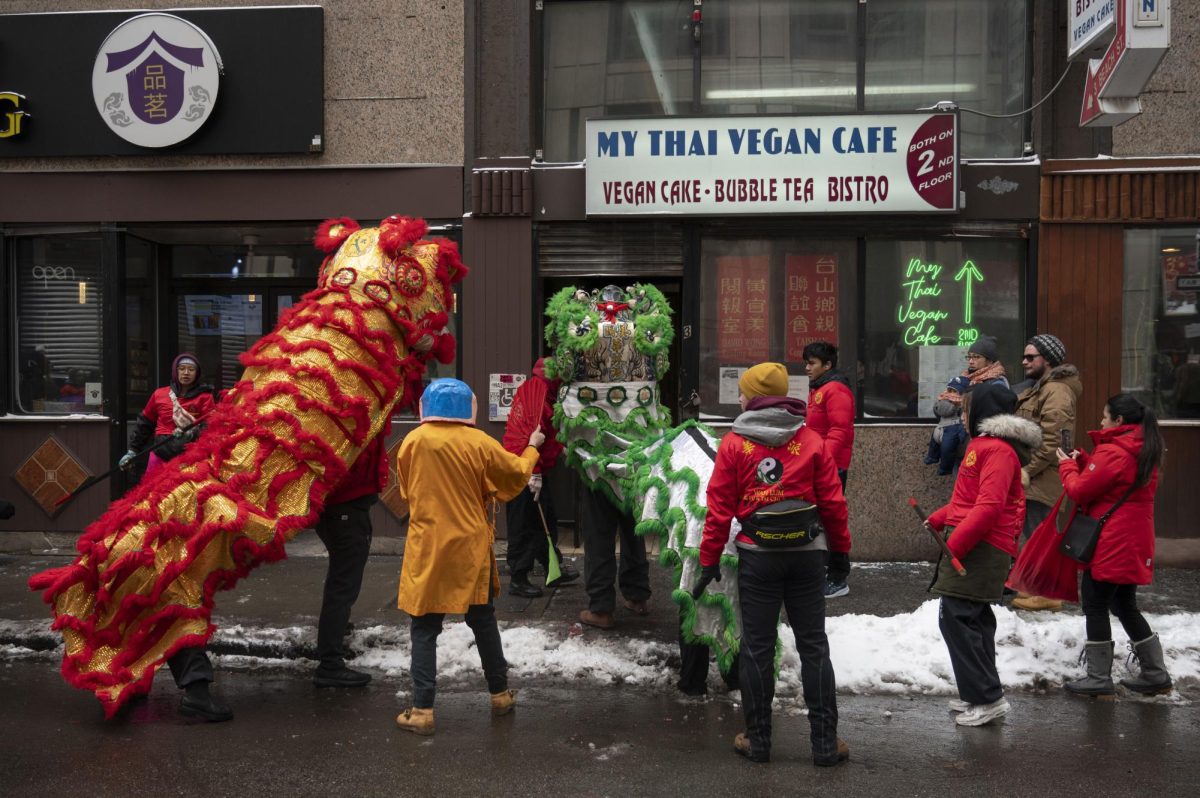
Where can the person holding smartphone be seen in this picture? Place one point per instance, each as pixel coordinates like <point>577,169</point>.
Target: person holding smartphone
<point>1122,471</point>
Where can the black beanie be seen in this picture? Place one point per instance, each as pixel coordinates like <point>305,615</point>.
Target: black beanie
<point>989,399</point>
<point>985,345</point>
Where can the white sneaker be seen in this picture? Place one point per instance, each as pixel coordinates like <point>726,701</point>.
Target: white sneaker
<point>979,714</point>
<point>958,705</point>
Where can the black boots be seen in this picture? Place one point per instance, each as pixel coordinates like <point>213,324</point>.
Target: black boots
<point>1154,678</point>
<point>1099,655</point>
<point>197,702</point>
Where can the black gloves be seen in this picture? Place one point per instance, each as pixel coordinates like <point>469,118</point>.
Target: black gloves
<point>708,573</point>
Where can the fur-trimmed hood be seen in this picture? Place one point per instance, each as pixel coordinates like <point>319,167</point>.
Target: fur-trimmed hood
<point>1020,433</point>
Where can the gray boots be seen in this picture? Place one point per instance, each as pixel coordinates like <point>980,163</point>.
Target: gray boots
<point>1154,678</point>
<point>1099,655</point>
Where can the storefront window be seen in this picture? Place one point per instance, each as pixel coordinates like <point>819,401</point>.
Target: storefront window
<point>764,299</point>
<point>1160,361</point>
<point>626,58</point>
<point>969,51</point>
<point>926,301</point>
<point>57,324</point>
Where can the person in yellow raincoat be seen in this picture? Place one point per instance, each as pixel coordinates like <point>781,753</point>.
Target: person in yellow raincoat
<point>448,471</point>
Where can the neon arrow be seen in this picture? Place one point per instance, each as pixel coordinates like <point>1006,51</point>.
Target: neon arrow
<point>971,272</point>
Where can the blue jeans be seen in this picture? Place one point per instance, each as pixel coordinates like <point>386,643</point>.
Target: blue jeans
<point>425,630</point>
<point>945,454</point>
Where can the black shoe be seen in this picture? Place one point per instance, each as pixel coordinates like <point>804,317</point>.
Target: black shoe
<point>202,705</point>
<point>565,578</point>
<point>341,678</point>
<point>524,590</point>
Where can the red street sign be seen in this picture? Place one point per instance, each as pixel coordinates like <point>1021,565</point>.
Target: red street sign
<point>1097,78</point>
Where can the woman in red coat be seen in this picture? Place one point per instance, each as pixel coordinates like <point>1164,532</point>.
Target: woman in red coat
<point>982,521</point>
<point>1128,453</point>
<point>172,409</point>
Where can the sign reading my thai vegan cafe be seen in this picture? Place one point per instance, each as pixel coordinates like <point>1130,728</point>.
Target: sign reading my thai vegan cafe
<point>874,163</point>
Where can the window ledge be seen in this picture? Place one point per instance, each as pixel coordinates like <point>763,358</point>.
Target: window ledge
<point>43,418</point>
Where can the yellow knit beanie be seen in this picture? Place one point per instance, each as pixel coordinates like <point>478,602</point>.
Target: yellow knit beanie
<point>765,379</point>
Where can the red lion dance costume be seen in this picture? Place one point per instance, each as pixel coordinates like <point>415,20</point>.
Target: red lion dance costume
<point>314,393</point>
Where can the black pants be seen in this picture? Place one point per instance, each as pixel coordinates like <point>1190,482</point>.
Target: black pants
<point>839,562</point>
<point>601,523</point>
<point>794,580</point>
<point>969,629</point>
<point>345,529</point>
<point>1098,598</point>
<point>190,665</point>
<point>481,618</point>
<point>693,669</point>
<point>526,535</point>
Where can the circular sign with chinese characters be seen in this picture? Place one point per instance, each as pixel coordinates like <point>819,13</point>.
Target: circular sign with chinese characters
<point>155,79</point>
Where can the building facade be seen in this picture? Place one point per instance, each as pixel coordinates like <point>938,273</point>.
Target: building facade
<point>780,111</point>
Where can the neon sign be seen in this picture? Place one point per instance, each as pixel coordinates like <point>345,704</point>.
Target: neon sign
<point>917,311</point>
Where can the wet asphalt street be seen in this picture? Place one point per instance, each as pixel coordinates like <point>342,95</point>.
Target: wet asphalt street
<point>565,738</point>
<point>291,739</point>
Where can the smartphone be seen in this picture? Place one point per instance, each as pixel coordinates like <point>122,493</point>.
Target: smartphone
<point>1065,436</point>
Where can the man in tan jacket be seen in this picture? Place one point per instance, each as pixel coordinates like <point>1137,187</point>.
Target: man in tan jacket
<point>1050,403</point>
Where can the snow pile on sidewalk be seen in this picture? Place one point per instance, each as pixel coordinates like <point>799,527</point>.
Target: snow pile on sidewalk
<point>875,655</point>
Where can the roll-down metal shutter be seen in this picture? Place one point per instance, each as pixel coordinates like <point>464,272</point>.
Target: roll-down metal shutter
<point>600,248</point>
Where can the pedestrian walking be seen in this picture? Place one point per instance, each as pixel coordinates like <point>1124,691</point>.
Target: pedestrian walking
<point>981,524</point>
<point>1049,401</point>
<point>345,529</point>
<point>1121,473</point>
<point>448,471</point>
<point>831,415</point>
<point>779,479</point>
<point>531,514</point>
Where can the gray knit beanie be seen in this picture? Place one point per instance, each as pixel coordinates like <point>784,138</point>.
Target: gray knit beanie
<point>985,345</point>
<point>1049,347</point>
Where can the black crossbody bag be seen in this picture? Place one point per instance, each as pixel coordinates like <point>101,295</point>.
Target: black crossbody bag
<point>1081,535</point>
<point>787,524</point>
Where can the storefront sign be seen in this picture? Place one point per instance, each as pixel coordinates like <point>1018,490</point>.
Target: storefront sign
<point>12,114</point>
<point>155,79</point>
<point>1110,95</point>
<point>882,163</point>
<point>1089,25</point>
<point>810,303</point>
<point>501,390</point>
<point>743,309</point>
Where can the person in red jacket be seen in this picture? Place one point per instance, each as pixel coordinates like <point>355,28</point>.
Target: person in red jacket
<point>831,415</point>
<point>172,409</point>
<point>982,523</point>
<point>1125,462</point>
<point>533,407</point>
<point>345,528</point>
<point>778,479</point>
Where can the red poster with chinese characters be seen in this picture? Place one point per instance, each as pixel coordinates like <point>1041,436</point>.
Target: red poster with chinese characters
<point>810,309</point>
<point>743,309</point>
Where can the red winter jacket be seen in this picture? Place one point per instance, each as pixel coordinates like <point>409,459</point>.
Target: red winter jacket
<point>988,503</point>
<point>1125,551</point>
<point>367,475</point>
<point>159,409</point>
<point>831,415</point>
<point>734,489</point>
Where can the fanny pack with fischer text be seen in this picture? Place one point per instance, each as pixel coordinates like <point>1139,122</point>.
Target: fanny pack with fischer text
<point>787,524</point>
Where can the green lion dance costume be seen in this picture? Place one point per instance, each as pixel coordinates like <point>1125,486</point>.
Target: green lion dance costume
<point>610,350</point>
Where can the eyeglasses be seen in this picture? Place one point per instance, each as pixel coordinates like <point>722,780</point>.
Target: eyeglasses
<point>1030,357</point>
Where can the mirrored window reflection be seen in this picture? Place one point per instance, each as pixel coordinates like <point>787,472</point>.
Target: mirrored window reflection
<point>1160,358</point>
<point>58,324</point>
<point>777,57</point>
<point>970,51</point>
<point>926,302</point>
